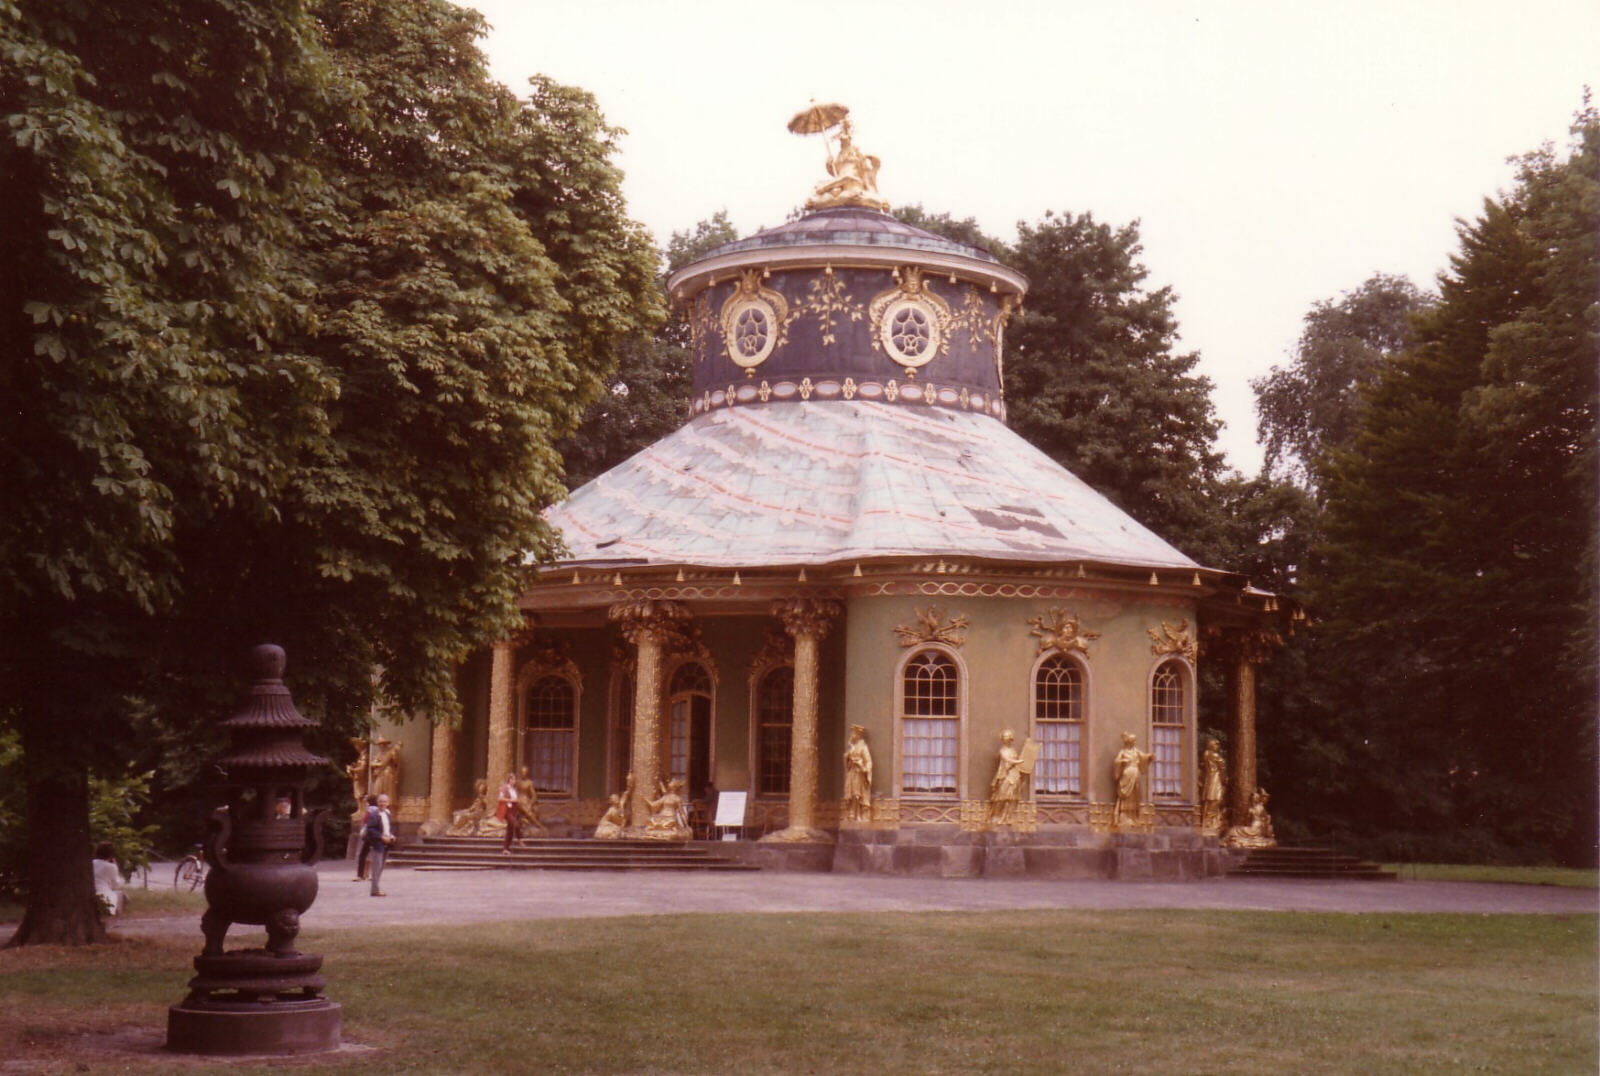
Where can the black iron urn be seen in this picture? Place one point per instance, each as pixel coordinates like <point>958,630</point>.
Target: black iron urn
<point>262,847</point>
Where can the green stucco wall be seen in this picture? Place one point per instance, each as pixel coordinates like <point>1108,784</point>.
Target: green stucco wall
<point>998,659</point>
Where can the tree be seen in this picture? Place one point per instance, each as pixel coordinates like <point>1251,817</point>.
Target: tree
<point>147,174</point>
<point>1093,381</point>
<point>1090,376</point>
<point>647,397</point>
<point>1310,407</point>
<point>1460,537</point>
<point>303,305</point>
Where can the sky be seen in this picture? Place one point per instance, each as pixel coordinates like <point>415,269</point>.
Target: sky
<point>1274,154</point>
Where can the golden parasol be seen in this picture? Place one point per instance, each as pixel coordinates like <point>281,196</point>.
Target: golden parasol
<point>819,119</point>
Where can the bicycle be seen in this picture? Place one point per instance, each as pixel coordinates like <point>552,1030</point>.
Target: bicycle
<point>191,871</point>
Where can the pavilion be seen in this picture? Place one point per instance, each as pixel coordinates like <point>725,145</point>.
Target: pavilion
<point>845,533</point>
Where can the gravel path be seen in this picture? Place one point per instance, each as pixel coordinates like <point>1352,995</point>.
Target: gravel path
<point>420,898</point>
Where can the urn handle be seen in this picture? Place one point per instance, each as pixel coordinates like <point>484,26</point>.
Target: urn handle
<point>313,845</point>
<point>218,830</point>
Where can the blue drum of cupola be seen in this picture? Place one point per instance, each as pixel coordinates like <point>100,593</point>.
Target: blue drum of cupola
<point>848,303</point>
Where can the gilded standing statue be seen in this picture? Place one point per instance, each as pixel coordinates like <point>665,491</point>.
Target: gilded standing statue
<point>1211,787</point>
<point>528,804</point>
<point>858,777</point>
<point>1126,769</point>
<point>1006,788</point>
<point>385,775</point>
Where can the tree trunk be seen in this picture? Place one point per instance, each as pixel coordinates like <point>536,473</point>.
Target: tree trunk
<point>62,908</point>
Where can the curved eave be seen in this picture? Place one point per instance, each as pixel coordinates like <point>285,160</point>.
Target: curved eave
<point>881,255</point>
<point>1221,601</point>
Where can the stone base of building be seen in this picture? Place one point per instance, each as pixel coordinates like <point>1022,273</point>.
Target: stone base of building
<point>813,856</point>
<point>1070,853</point>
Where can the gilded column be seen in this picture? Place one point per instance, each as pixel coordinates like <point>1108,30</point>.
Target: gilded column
<point>502,711</point>
<point>441,776</point>
<point>649,626</point>
<point>808,620</point>
<point>1246,650</point>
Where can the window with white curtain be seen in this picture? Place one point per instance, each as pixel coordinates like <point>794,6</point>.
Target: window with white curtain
<point>1167,707</point>
<point>1058,708</point>
<point>551,709</point>
<point>930,723</point>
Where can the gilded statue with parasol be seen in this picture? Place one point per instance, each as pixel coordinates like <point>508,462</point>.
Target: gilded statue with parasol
<point>854,173</point>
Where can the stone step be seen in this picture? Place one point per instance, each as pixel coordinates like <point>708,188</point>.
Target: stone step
<point>1309,863</point>
<point>554,853</point>
<point>581,865</point>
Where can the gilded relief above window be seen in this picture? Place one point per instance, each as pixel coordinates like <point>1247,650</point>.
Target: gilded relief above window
<point>1060,630</point>
<point>1173,639</point>
<point>930,626</point>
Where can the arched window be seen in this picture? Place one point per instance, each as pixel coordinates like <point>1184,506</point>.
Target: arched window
<point>1167,708</point>
<point>622,732</point>
<point>689,727</point>
<point>775,720</point>
<point>550,710</point>
<point>930,723</point>
<point>1058,726</point>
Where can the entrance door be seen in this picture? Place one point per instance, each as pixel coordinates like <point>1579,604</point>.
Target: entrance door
<point>689,729</point>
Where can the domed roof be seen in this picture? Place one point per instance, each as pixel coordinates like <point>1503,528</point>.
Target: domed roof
<point>855,235</point>
<point>855,226</point>
<point>819,483</point>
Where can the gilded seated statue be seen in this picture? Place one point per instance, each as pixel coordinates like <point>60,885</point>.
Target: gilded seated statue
<point>615,820</point>
<point>468,821</point>
<point>669,820</point>
<point>1257,833</point>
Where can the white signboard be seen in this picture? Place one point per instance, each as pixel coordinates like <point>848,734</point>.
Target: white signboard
<point>730,809</point>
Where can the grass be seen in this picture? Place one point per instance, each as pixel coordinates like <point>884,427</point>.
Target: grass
<point>158,901</point>
<point>1572,877</point>
<point>1086,991</point>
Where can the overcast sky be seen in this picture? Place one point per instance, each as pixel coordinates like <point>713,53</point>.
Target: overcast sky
<point>1275,153</point>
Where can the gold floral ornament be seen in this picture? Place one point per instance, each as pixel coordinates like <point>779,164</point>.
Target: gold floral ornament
<point>910,322</point>
<point>1173,639</point>
<point>930,626</point>
<point>754,322</point>
<point>853,175</point>
<point>829,303</point>
<point>1060,630</point>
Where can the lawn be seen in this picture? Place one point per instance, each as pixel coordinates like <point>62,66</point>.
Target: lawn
<point>1572,877</point>
<point>1081,991</point>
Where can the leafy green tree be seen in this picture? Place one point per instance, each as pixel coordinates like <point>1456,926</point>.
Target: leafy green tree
<point>1092,378</point>
<point>1311,406</point>
<point>1090,374</point>
<point>301,306</point>
<point>1460,539</point>
<point>965,230</point>
<point>151,154</point>
<point>647,397</point>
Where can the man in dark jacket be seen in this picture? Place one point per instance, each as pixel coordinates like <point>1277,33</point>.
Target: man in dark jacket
<point>361,855</point>
<point>379,835</point>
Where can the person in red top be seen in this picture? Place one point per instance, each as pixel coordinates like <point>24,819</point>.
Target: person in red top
<point>506,810</point>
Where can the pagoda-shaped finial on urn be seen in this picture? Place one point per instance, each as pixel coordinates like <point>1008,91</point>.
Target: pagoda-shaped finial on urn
<point>262,846</point>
